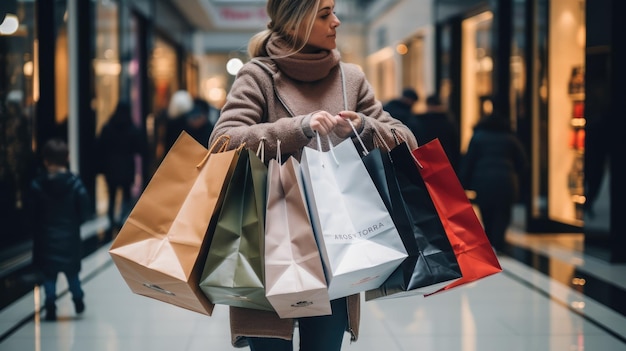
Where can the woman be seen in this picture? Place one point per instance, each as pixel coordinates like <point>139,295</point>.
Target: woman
<point>492,167</point>
<point>119,143</point>
<point>294,87</point>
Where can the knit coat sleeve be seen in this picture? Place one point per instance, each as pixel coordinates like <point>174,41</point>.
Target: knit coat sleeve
<point>376,119</point>
<point>253,112</point>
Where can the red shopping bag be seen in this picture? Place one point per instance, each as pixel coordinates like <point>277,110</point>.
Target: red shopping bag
<point>467,236</point>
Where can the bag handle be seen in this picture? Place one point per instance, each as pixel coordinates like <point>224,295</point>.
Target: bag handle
<point>399,140</point>
<point>221,149</point>
<point>397,137</point>
<point>223,140</point>
<point>331,146</point>
<point>260,151</point>
<point>279,156</point>
<point>365,152</point>
<point>378,139</point>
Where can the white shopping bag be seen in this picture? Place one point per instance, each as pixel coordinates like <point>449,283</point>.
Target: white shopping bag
<point>357,238</point>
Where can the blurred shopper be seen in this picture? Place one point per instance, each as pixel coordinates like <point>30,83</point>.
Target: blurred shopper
<point>197,122</point>
<point>119,143</point>
<point>492,167</point>
<point>181,104</point>
<point>16,157</point>
<point>436,122</point>
<point>402,107</point>
<point>16,162</point>
<point>57,205</point>
<point>294,87</point>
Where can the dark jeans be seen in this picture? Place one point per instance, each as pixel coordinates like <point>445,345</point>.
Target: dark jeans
<point>496,219</point>
<point>323,333</point>
<point>125,205</point>
<point>50,287</point>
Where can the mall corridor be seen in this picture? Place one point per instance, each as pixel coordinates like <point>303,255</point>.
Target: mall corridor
<point>554,69</point>
<point>549,297</point>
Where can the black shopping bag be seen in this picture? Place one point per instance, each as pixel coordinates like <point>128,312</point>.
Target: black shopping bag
<point>431,263</point>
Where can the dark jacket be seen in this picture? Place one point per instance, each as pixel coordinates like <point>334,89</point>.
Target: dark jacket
<point>494,162</point>
<point>430,125</point>
<point>399,110</point>
<point>57,205</point>
<point>117,146</point>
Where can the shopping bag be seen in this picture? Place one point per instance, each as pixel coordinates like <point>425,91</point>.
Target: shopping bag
<point>233,273</point>
<point>294,275</point>
<point>473,250</point>
<point>431,263</point>
<point>161,247</point>
<point>357,238</point>
<point>471,196</point>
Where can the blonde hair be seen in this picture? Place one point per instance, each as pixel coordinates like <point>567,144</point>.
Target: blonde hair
<point>286,19</point>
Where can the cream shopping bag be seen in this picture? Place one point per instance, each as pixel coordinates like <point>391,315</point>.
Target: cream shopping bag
<point>294,275</point>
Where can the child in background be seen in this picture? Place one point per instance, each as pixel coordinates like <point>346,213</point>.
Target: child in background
<point>57,205</point>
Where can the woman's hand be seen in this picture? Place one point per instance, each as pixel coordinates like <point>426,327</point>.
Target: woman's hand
<point>343,128</point>
<point>323,122</point>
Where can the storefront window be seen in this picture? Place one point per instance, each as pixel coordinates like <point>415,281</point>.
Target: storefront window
<point>61,70</point>
<point>518,71</point>
<point>383,74</point>
<point>107,68</point>
<point>539,112</point>
<point>476,73</point>
<point>216,79</point>
<point>106,64</point>
<point>413,66</point>
<point>164,75</point>
<point>18,95</point>
<point>445,64</point>
<point>566,108</point>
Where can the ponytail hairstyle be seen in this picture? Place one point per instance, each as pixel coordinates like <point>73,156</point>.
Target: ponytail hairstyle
<point>286,19</point>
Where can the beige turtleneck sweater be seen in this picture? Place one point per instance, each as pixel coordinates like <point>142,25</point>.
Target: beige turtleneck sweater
<point>276,98</point>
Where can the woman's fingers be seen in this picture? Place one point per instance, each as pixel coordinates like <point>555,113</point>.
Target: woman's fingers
<point>343,128</point>
<point>323,122</point>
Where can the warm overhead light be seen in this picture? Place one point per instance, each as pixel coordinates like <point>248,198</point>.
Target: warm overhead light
<point>402,49</point>
<point>28,68</point>
<point>233,66</point>
<point>9,25</point>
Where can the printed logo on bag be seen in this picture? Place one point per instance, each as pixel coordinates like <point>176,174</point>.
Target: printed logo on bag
<point>365,280</point>
<point>302,304</point>
<point>238,297</point>
<point>158,288</point>
<point>359,235</point>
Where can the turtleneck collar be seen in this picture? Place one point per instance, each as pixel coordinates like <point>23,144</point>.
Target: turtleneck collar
<point>305,67</point>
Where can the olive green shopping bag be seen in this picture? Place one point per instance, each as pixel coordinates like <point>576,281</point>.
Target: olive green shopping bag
<point>234,270</point>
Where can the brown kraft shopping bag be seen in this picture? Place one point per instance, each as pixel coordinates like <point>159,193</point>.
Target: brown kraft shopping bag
<point>161,248</point>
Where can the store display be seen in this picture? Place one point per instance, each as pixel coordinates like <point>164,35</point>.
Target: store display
<point>576,89</point>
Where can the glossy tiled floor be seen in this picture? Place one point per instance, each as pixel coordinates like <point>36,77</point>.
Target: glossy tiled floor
<point>520,309</point>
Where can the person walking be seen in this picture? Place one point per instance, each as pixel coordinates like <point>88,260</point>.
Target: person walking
<point>436,122</point>
<point>402,107</point>
<point>57,205</point>
<point>197,121</point>
<point>492,167</point>
<point>119,143</point>
<point>180,105</point>
<point>294,87</point>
